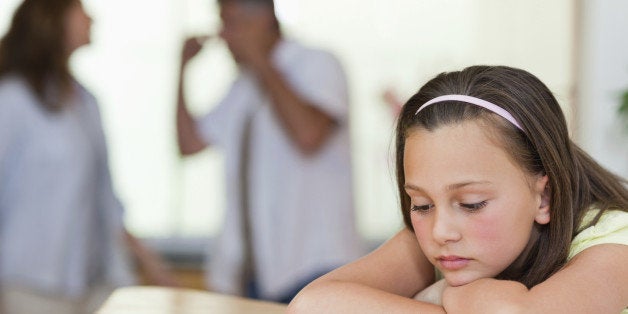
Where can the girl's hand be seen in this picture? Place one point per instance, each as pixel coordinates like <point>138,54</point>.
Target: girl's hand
<point>486,296</point>
<point>433,294</point>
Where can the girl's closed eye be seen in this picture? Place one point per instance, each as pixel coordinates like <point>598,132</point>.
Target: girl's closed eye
<point>421,208</point>
<point>474,206</point>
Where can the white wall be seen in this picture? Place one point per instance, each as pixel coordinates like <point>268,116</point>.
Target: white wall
<point>603,77</point>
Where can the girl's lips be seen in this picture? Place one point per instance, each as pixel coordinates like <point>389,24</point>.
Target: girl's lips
<point>452,262</point>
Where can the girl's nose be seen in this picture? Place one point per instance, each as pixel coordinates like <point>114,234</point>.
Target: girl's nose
<point>444,227</point>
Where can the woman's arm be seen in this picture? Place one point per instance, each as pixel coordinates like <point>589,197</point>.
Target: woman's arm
<point>155,270</point>
<point>383,281</point>
<point>594,281</point>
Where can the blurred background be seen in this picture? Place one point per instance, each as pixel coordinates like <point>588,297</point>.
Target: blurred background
<point>578,47</point>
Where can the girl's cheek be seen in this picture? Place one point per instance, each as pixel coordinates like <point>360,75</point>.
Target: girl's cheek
<point>487,227</point>
<point>422,230</point>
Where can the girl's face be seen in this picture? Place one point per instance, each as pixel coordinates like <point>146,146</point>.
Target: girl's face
<point>473,208</point>
<point>77,27</point>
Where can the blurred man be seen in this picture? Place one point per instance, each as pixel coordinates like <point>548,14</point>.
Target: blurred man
<point>283,126</point>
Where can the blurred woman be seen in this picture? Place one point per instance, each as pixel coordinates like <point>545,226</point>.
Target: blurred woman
<point>63,246</point>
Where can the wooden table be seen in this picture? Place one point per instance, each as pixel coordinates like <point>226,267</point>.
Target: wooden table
<point>145,299</point>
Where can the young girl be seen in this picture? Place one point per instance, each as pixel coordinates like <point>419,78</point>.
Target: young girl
<point>62,238</point>
<point>496,197</point>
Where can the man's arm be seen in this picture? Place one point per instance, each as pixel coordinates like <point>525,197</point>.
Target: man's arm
<point>308,126</point>
<point>381,282</point>
<point>190,142</point>
<point>594,281</point>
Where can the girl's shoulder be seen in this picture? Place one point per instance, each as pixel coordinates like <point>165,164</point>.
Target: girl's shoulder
<point>612,227</point>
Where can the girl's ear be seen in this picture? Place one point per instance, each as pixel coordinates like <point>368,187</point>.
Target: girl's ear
<point>543,189</point>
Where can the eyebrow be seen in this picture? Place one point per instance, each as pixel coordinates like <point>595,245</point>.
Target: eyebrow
<point>451,187</point>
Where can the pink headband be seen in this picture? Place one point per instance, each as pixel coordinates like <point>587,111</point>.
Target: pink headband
<point>475,101</point>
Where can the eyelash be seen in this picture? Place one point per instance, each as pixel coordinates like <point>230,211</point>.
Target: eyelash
<point>421,208</point>
<point>475,206</point>
<point>469,207</point>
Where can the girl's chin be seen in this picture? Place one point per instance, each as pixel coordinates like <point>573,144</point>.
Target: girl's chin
<point>456,281</point>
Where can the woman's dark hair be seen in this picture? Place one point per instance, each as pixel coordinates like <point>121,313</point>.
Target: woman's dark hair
<point>34,48</point>
<point>576,182</point>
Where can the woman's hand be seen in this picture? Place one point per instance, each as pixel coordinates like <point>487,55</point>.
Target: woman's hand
<point>486,296</point>
<point>152,267</point>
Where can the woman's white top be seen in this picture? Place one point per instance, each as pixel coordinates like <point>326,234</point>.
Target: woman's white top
<point>60,222</point>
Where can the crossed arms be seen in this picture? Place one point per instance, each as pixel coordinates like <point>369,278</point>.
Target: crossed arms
<point>594,281</point>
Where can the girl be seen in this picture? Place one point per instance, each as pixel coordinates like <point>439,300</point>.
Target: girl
<point>62,239</point>
<point>496,197</point>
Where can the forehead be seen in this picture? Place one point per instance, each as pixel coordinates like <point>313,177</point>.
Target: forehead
<point>457,153</point>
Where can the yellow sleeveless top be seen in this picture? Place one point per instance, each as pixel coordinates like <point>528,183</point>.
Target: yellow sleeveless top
<point>611,228</point>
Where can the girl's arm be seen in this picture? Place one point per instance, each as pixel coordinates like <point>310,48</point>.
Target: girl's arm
<point>383,281</point>
<point>433,294</point>
<point>594,281</point>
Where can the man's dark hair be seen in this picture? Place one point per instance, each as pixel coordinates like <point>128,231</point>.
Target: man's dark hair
<point>269,3</point>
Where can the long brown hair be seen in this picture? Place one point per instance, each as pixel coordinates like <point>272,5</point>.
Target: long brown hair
<point>34,48</point>
<point>576,181</point>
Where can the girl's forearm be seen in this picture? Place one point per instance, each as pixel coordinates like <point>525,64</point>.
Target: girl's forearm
<point>487,296</point>
<point>342,297</point>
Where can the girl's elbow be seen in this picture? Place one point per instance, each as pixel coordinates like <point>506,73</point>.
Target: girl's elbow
<point>314,298</point>
<point>302,303</point>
